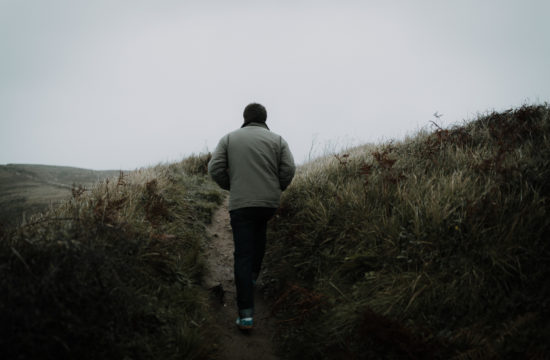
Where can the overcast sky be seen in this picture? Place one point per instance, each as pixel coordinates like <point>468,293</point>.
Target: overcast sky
<point>108,84</point>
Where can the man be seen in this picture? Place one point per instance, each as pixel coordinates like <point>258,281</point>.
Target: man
<point>255,165</point>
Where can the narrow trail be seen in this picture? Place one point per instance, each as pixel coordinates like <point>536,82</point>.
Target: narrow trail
<point>234,344</point>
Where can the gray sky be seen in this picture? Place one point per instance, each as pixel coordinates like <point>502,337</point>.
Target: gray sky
<point>108,84</point>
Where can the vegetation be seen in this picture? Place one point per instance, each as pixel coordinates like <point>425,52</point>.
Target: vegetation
<point>29,189</point>
<point>113,272</point>
<point>435,247</point>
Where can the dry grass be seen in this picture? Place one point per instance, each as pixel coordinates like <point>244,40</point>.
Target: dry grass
<point>30,189</point>
<point>435,247</point>
<point>112,273</point>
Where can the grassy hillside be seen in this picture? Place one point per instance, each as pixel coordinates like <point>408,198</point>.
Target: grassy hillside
<point>32,188</point>
<point>435,247</point>
<point>112,273</point>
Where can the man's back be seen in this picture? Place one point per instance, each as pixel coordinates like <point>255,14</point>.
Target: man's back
<point>258,164</point>
<point>255,165</point>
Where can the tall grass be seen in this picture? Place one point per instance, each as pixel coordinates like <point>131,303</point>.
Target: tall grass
<point>434,247</point>
<point>113,273</point>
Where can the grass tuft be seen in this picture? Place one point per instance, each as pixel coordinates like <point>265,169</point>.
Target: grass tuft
<point>433,247</point>
<point>114,272</point>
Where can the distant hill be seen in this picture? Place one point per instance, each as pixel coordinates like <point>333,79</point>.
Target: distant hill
<point>114,272</point>
<point>27,189</point>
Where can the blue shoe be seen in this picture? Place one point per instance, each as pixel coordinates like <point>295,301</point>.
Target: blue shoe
<point>245,323</point>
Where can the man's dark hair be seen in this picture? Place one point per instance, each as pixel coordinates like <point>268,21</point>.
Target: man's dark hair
<point>254,113</point>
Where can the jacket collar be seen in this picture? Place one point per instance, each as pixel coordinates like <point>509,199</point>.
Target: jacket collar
<point>263,125</point>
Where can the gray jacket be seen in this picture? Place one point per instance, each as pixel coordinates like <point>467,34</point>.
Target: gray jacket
<point>254,164</point>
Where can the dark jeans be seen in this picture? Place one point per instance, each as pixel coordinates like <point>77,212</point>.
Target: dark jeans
<point>249,236</point>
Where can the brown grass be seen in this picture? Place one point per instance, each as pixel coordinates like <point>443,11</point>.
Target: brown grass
<point>434,247</point>
<point>114,272</point>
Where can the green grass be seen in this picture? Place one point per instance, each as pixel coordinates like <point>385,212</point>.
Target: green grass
<point>434,247</point>
<point>112,273</point>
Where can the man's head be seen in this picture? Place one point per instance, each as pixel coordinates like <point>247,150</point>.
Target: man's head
<point>254,113</point>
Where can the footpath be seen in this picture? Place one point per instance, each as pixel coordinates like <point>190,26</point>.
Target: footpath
<point>234,344</point>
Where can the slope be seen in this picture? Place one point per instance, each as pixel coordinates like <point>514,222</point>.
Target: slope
<point>434,247</point>
<point>32,188</point>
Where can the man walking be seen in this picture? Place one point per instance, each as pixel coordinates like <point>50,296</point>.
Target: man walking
<point>255,165</point>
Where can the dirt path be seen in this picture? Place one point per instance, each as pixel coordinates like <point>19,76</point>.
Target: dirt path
<point>234,344</point>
